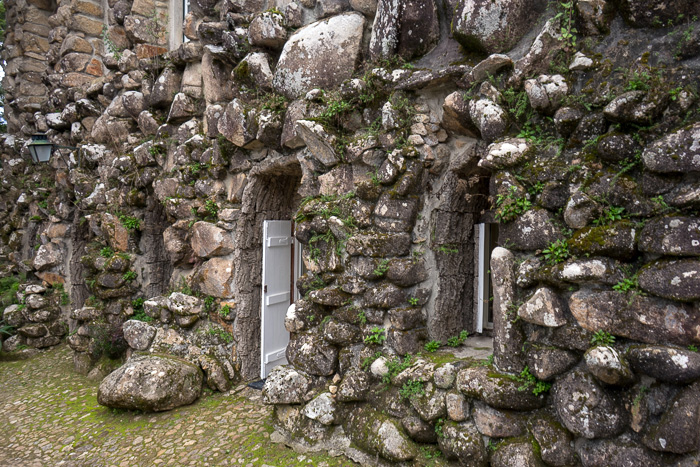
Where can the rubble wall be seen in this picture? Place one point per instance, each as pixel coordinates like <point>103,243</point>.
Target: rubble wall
<point>386,131</point>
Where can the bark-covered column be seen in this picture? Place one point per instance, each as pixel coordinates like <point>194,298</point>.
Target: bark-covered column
<point>508,336</point>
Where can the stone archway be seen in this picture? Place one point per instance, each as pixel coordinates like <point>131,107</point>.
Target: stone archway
<point>271,194</point>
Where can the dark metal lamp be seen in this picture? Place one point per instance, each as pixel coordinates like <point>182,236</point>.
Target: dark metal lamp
<point>41,148</point>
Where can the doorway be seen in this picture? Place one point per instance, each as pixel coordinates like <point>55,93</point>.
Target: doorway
<point>281,268</point>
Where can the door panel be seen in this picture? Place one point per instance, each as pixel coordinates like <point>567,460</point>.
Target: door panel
<point>276,279</point>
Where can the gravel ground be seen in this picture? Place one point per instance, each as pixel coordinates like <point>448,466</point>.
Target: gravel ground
<point>50,417</point>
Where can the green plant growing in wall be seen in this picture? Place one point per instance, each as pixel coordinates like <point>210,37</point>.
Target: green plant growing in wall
<point>130,223</point>
<point>396,366</point>
<point>221,334</point>
<point>556,252</point>
<point>610,214</point>
<point>110,45</point>
<point>568,30</point>
<point>64,298</point>
<point>627,284</point>
<point>212,208</point>
<point>209,302</point>
<point>602,338</point>
<point>376,336</point>
<point>107,252</point>
<point>129,276</point>
<point>381,268</point>
<point>510,205</point>
<point>225,311</point>
<point>438,428</point>
<point>9,286</point>
<point>432,346</point>
<point>413,301</point>
<point>411,389</point>
<point>456,341</point>
<point>529,381</point>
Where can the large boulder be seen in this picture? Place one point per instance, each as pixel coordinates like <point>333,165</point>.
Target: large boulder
<point>209,240</point>
<point>586,408</point>
<point>407,28</point>
<point>668,364</point>
<point>494,27</point>
<point>677,431</point>
<point>544,308</point>
<point>309,352</point>
<point>645,319</point>
<point>285,385</point>
<point>138,334</point>
<point>499,390</point>
<point>608,365</point>
<point>380,434</point>
<point>673,236</point>
<point>554,440</point>
<point>619,451</point>
<point>320,55</point>
<point>215,277</point>
<point>152,384</point>
<point>616,240</point>
<point>48,256</point>
<point>677,152</point>
<point>462,442</point>
<point>676,279</point>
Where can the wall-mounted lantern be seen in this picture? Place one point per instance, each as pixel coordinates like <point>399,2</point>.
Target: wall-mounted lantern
<point>41,148</point>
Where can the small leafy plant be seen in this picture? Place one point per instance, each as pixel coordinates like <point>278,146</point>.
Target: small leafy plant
<point>556,252</point>
<point>510,205</point>
<point>362,318</point>
<point>376,336</point>
<point>106,252</point>
<point>396,366</point>
<point>221,333</point>
<point>568,30</point>
<point>432,346</point>
<point>610,214</point>
<point>381,268</point>
<point>627,284</point>
<point>209,303</point>
<point>411,389</point>
<point>602,338</point>
<point>129,276</point>
<point>693,348</point>
<point>448,249</point>
<point>413,301</point>
<point>212,208</point>
<point>225,311</point>
<point>438,428</point>
<point>130,223</point>
<point>456,341</point>
<point>529,381</point>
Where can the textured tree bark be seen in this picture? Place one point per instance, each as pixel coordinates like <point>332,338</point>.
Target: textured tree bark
<point>158,266</point>
<point>79,238</point>
<point>509,337</point>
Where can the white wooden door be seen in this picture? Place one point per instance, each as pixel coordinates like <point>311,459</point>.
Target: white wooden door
<point>278,245</point>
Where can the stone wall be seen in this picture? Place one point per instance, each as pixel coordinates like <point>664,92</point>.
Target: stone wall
<point>386,131</point>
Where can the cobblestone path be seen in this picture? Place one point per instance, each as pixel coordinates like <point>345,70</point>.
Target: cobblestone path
<point>49,416</point>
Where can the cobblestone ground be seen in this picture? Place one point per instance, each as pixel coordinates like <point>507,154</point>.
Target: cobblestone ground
<point>49,416</point>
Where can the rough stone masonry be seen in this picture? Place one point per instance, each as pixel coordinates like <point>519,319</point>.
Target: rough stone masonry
<point>387,131</point>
